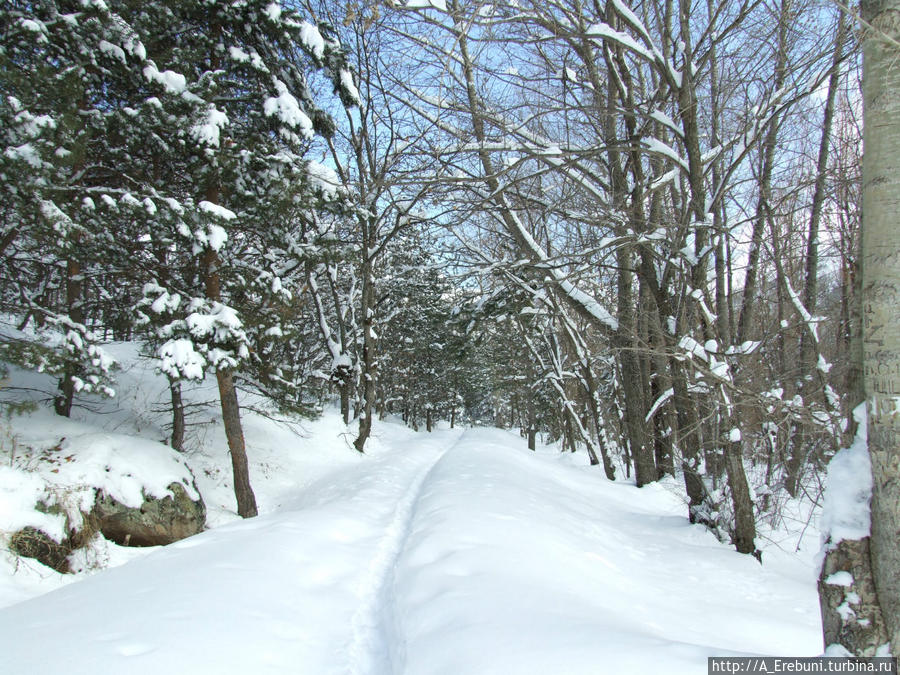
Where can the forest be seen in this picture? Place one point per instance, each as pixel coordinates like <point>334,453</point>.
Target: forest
<point>629,228</point>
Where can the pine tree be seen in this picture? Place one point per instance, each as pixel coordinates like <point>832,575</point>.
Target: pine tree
<point>233,89</point>
<point>66,70</point>
<point>165,143</point>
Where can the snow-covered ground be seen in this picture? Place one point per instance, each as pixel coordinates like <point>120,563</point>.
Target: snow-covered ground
<point>458,552</point>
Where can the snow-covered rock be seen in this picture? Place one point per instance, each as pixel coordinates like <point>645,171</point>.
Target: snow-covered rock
<point>62,490</point>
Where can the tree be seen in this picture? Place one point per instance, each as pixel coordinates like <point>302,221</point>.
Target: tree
<point>873,563</point>
<point>67,72</point>
<point>168,140</point>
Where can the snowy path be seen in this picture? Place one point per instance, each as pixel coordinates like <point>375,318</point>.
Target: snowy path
<point>454,553</point>
<point>373,630</point>
<point>298,590</point>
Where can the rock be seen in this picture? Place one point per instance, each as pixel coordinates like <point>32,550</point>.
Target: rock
<point>156,523</point>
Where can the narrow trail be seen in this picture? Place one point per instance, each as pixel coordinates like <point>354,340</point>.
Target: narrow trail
<point>373,623</point>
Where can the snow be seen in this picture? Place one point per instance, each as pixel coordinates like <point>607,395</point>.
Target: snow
<point>62,464</point>
<point>238,54</point>
<point>19,492</point>
<point>25,152</point>
<point>273,11</point>
<point>217,321</point>
<point>810,321</point>
<point>663,397</point>
<point>174,83</point>
<point>657,146</point>
<point>123,467</point>
<point>179,359</point>
<point>112,50</point>
<point>217,210</point>
<point>287,109</point>
<point>208,131</point>
<point>341,361</point>
<point>665,120</point>
<point>458,551</point>
<point>848,488</point>
<point>312,39</point>
<point>692,347</point>
<point>631,18</point>
<point>439,5</point>
<point>324,179</point>
<point>349,85</point>
<point>842,578</point>
<point>605,31</point>
<point>32,26</point>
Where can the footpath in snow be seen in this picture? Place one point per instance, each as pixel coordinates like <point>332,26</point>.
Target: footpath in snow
<point>451,553</point>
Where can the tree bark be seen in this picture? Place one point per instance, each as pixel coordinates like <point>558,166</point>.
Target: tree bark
<point>688,443</point>
<point>881,294</point>
<point>344,388</point>
<point>231,416</point>
<point>62,404</point>
<point>177,440</point>
<point>644,464</point>
<point>744,535</point>
<point>861,631</point>
<point>231,413</point>
<point>369,363</point>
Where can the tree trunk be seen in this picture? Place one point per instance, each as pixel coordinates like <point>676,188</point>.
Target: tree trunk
<point>231,416</point>
<point>177,440</point>
<point>862,631</point>
<point>746,317</point>
<point>644,465</point>
<point>881,295</point>
<point>744,536</point>
<point>231,413</point>
<point>688,443</point>
<point>62,404</point>
<point>369,364</point>
<point>344,388</point>
<point>808,350</point>
<point>874,562</point>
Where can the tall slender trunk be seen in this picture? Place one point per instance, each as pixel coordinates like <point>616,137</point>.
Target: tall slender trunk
<point>62,404</point>
<point>808,349</point>
<point>635,409</point>
<point>231,413</point>
<point>231,416</point>
<point>178,426</point>
<point>746,317</point>
<point>369,361</point>
<point>344,388</point>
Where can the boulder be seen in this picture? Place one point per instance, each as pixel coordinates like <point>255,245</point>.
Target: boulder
<point>156,522</point>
